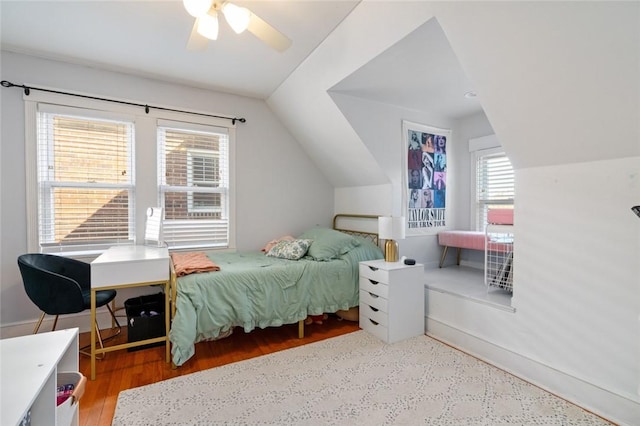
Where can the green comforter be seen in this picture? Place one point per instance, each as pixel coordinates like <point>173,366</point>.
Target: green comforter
<point>252,290</point>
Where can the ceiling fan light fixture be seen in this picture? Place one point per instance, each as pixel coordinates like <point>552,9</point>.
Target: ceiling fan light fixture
<point>197,8</point>
<point>237,17</point>
<point>208,26</point>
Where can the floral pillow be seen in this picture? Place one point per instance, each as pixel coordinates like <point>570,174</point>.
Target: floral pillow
<point>292,250</point>
<point>272,243</point>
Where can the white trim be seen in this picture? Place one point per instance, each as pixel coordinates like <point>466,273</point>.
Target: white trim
<point>475,145</point>
<point>80,320</point>
<point>31,172</point>
<point>618,408</point>
<point>484,142</point>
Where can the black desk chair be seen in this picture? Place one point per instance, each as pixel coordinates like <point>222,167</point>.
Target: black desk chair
<point>60,285</point>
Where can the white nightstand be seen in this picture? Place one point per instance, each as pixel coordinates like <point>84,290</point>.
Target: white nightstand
<point>391,299</point>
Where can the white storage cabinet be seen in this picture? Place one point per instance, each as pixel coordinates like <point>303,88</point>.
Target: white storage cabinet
<point>29,373</point>
<point>391,299</point>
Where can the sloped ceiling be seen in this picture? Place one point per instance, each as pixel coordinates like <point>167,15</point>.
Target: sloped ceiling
<point>556,87</point>
<point>420,72</point>
<point>557,80</point>
<point>149,38</point>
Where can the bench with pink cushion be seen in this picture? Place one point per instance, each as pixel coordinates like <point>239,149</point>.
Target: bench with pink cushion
<point>473,240</point>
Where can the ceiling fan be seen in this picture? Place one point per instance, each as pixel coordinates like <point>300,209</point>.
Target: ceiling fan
<point>205,27</point>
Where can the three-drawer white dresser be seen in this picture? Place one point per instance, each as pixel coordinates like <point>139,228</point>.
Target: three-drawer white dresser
<point>391,299</point>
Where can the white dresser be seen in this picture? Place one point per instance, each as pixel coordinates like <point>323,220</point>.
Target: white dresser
<point>30,369</point>
<point>391,299</point>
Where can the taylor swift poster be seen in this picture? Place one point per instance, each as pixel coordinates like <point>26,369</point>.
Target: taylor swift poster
<point>425,177</point>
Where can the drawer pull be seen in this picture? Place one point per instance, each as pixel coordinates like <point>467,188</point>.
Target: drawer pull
<point>375,296</point>
<point>373,268</point>
<point>374,309</point>
<point>374,282</point>
<point>373,322</point>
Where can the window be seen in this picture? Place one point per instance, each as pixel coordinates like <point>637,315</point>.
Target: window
<point>84,194</point>
<point>495,184</point>
<point>203,170</point>
<point>194,184</point>
<point>85,186</point>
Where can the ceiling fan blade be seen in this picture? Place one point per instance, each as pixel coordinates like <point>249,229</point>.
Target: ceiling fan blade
<point>268,34</point>
<point>196,41</point>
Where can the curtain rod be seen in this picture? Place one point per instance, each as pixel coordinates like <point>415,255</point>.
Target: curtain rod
<point>27,91</point>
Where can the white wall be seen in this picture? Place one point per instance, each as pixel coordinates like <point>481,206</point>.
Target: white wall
<point>575,329</point>
<point>268,161</point>
<point>558,83</point>
<point>379,126</point>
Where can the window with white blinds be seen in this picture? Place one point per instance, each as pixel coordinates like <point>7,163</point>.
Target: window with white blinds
<point>85,180</point>
<point>194,184</point>
<point>495,184</point>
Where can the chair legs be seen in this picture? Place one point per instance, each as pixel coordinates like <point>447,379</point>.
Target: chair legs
<point>39,323</point>
<point>114,324</point>
<point>101,341</point>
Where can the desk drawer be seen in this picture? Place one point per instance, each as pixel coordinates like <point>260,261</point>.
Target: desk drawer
<point>375,274</point>
<point>375,314</point>
<point>373,327</point>
<point>377,302</point>
<point>374,287</point>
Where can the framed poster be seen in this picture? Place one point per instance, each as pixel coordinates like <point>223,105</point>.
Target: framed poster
<point>424,185</point>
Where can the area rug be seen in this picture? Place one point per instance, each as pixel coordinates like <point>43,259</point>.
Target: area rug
<point>354,379</point>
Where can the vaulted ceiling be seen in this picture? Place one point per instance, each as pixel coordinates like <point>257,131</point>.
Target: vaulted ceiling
<point>149,38</point>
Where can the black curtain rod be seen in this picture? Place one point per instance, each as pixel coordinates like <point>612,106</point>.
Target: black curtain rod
<point>27,91</point>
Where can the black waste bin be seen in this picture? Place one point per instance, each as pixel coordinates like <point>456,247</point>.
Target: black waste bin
<point>145,319</point>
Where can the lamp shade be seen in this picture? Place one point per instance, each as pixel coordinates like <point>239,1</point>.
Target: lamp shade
<point>391,227</point>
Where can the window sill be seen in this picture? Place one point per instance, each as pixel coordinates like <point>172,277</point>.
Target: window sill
<point>467,283</point>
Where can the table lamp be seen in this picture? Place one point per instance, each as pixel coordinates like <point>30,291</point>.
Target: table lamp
<point>391,228</point>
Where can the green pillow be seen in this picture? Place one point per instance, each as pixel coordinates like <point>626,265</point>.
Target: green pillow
<point>328,243</point>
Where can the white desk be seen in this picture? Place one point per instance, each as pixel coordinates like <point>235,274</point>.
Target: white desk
<point>129,266</point>
<point>28,374</point>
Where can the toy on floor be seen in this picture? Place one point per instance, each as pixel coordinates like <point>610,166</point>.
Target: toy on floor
<point>315,319</point>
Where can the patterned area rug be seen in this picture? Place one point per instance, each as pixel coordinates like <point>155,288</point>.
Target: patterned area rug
<point>353,379</point>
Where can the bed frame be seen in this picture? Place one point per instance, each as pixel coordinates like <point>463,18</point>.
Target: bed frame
<point>364,226</point>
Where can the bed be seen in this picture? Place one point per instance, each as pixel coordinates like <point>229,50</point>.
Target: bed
<point>272,288</point>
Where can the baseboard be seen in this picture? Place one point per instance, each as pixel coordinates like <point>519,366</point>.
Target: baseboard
<point>604,403</point>
<point>79,320</point>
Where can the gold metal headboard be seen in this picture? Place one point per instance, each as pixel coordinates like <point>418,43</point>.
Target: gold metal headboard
<point>364,223</point>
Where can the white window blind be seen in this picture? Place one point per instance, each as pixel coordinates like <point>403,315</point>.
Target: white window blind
<point>495,185</point>
<point>194,184</point>
<point>85,180</point>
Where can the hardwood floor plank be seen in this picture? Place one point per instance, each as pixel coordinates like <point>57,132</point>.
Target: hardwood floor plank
<point>122,370</point>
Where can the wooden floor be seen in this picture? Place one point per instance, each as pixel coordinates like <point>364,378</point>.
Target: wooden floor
<point>122,370</point>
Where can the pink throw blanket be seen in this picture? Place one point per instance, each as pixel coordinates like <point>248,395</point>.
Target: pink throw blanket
<point>193,262</point>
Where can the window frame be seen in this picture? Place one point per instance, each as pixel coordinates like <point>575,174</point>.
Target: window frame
<point>479,147</point>
<point>144,151</point>
<point>225,188</point>
<point>481,207</point>
<point>191,153</point>
<point>45,188</point>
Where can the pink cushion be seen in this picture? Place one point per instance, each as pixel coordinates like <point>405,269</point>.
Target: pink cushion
<point>500,216</point>
<point>463,239</point>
